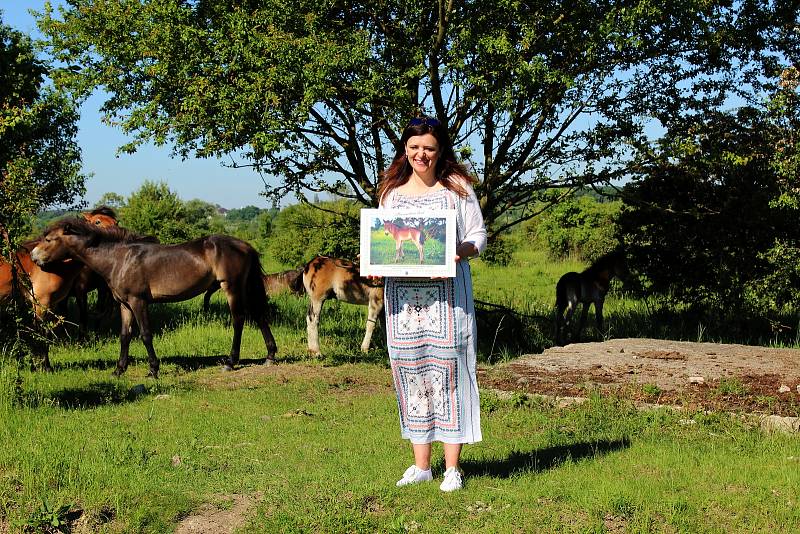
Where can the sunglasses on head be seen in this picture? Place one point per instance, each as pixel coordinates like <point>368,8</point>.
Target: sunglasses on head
<point>428,121</point>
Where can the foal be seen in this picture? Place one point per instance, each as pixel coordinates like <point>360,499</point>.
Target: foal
<point>326,278</point>
<point>405,233</point>
<point>587,287</point>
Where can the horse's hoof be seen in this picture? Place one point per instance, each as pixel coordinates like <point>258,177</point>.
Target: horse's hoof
<point>153,374</point>
<point>117,373</point>
<point>270,361</point>
<point>227,367</point>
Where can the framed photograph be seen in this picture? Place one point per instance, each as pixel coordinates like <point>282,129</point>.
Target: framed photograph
<point>408,243</point>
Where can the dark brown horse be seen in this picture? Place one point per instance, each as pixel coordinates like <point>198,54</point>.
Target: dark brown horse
<point>586,288</point>
<point>291,280</point>
<point>405,233</point>
<point>88,280</point>
<point>326,278</point>
<point>139,273</point>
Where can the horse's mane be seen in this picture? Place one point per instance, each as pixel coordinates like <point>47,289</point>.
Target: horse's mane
<point>104,210</point>
<point>80,226</point>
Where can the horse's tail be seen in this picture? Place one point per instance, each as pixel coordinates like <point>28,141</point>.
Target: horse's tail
<point>421,229</point>
<point>296,285</point>
<point>257,301</point>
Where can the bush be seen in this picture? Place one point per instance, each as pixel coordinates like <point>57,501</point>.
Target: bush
<point>302,231</point>
<point>579,226</point>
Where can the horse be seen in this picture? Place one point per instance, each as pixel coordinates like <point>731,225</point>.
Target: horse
<point>291,280</point>
<point>587,287</point>
<point>52,285</point>
<point>140,272</point>
<point>89,280</point>
<point>405,233</point>
<point>325,278</point>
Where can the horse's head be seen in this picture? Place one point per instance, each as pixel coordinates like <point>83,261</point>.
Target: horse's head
<point>387,227</point>
<point>61,239</point>
<point>103,216</point>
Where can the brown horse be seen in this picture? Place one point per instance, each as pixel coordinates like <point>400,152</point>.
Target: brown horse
<point>326,278</point>
<point>139,273</point>
<point>291,280</point>
<point>405,233</point>
<point>88,280</point>
<point>53,285</point>
<point>587,287</point>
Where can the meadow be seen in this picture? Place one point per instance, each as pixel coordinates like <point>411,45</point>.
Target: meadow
<point>314,443</point>
<point>383,251</point>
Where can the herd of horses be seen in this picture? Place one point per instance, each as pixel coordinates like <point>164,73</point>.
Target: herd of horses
<point>76,255</point>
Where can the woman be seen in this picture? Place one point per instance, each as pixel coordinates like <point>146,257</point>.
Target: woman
<point>430,323</point>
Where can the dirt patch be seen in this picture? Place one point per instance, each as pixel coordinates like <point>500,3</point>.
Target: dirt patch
<point>224,515</point>
<point>695,375</point>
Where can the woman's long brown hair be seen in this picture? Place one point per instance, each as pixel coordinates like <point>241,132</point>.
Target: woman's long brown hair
<point>449,172</point>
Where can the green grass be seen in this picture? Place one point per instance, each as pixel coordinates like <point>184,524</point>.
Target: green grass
<point>316,442</point>
<point>321,446</point>
<point>383,251</point>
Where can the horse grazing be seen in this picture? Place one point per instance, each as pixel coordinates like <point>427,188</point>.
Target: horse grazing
<point>587,287</point>
<point>325,278</point>
<point>140,272</point>
<point>405,233</point>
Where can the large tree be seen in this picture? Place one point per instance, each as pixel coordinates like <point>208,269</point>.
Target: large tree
<point>39,166</point>
<point>39,157</point>
<point>537,94</point>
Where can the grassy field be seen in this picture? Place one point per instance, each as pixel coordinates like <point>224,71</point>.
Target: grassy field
<point>383,251</point>
<point>316,446</point>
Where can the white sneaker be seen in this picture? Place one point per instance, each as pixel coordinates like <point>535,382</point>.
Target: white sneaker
<point>413,475</point>
<point>452,480</point>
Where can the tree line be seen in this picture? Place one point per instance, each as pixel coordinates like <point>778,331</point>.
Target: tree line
<point>685,111</point>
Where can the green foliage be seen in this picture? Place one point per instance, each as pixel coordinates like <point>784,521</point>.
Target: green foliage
<point>47,518</point>
<point>302,231</point>
<point>779,285</point>
<point>499,251</point>
<point>155,210</point>
<point>697,223</point>
<point>730,386</point>
<point>580,226</point>
<point>39,166</point>
<point>314,92</point>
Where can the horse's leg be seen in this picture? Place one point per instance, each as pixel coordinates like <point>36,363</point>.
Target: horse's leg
<point>582,322</point>
<point>421,251</point>
<point>373,309</point>
<point>560,308</point>
<point>569,326</point>
<point>598,314</point>
<point>398,250</point>
<point>125,334</point>
<point>81,303</point>
<point>143,318</point>
<point>237,319</point>
<point>207,297</point>
<point>312,324</point>
<point>269,341</point>
<point>139,309</point>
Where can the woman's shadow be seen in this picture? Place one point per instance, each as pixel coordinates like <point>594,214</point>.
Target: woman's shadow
<point>541,459</point>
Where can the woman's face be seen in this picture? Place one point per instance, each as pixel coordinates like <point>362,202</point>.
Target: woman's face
<point>422,152</point>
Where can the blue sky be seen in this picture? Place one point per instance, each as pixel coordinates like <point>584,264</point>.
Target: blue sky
<point>124,173</point>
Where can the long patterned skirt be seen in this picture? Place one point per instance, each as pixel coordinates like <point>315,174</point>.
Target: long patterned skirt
<point>430,332</point>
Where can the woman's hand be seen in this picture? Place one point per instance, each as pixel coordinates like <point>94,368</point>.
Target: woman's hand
<point>466,250</point>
